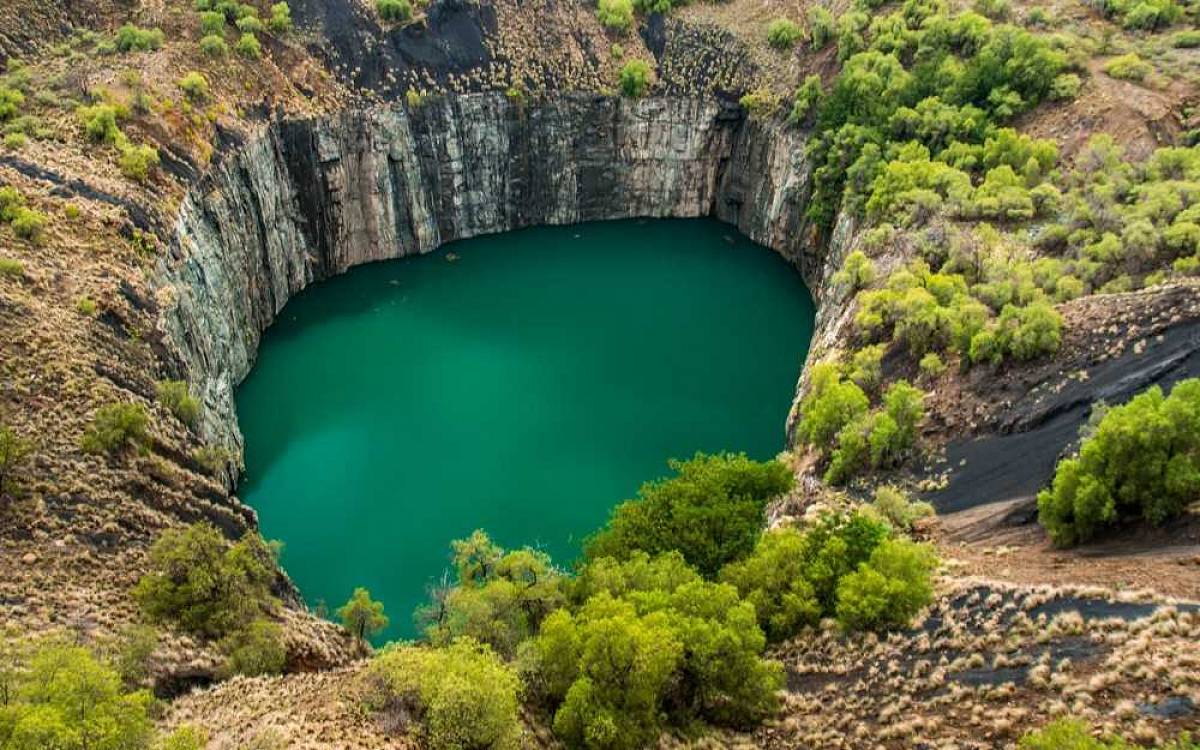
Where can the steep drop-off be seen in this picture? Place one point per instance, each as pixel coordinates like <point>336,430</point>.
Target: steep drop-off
<point>311,198</point>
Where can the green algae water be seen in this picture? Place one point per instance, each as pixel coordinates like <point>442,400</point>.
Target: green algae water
<point>522,383</point>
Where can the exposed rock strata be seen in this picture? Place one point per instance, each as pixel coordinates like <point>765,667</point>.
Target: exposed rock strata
<point>312,198</point>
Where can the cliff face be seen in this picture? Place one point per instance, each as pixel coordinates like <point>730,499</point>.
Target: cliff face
<point>309,199</point>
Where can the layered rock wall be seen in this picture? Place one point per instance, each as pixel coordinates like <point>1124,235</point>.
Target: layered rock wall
<point>309,199</point>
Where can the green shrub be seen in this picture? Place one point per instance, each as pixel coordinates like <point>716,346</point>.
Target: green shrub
<point>866,367</point>
<point>783,33</point>
<point>212,23</point>
<point>175,395</point>
<point>281,18</point>
<point>395,11</point>
<point>29,224</point>
<point>137,161</point>
<point>11,268</point>
<point>362,615</point>
<point>214,45</point>
<point>62,696</point>
<point>635,78</point>
<point>204,584</point>
<point>195,86</point>
<point>14,453</point>
<point>133,652</point>
<point>830,404</point>
<point>10,103</point>
<point>1143,461</point>
<point>116,426</point>
<point>858,271</point>
<point>463,695</point>
<point>773,580</point>
<point>131,38</point>
<point>820,26</point>
<point>100,123</point>
<point>711,512</point>
<point>894,505</point>
<point>887,591</point>
<point>1128,67</point>
<point>807,101</point>
<point>1065,87</point>
<point>255,649</point>
<point>653,645</point>
<point>1186,39</point>
<point>615,14</point>
<point>16,141</point>
<point>1145,14</point>
<point>248,46</point>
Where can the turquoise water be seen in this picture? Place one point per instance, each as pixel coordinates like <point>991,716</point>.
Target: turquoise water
<point>524,388</point>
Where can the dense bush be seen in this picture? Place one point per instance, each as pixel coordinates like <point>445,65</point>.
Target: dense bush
<point>61,697</point>
<point>844,565</point>
<point>711,512</point>
<point>836,419</point>
<point>1142,461</point>
<point>652,645</point>
<point>857,271</point>
<point>1149,15</point>
<point>1128,67</point>
<point>214,45</point>
<point>396,11</point>
<point>10,268</point>
<point>116,426</point>
<point>206,585</point>
<point>195,86</point>
<point>773,580</point>
<point>255,649</point>
<point>615,14</point>
<point>783,33</point>
<point>635,78</point>
<point>807,100</point>
<point>887,591</point>
<point>131,38</point>
<point>463,695</point>
<point>175,395</point>
<point>10,103</point>
<point>281,18</point>
<point>137,161</point>
<point>212,22</point>
<point>248,46</point>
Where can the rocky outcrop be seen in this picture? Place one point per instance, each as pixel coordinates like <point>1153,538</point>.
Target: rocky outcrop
<point>311,198</point>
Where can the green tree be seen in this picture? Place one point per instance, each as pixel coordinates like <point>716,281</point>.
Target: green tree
<point>1142,461</point>
<point>362,615</point>
<point>67,699</point>
<point>205,585</point>
<point>711,512</point>
<point>889,589</point>
<point>464,695</point>
<point>773,580</point>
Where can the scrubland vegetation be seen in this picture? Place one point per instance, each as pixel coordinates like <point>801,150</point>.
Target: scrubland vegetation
<point>665,621</point>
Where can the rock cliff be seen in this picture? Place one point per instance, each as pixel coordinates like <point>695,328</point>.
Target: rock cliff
<point>308,199</point>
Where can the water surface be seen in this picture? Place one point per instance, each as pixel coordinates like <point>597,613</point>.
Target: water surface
<point>524,388</point>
